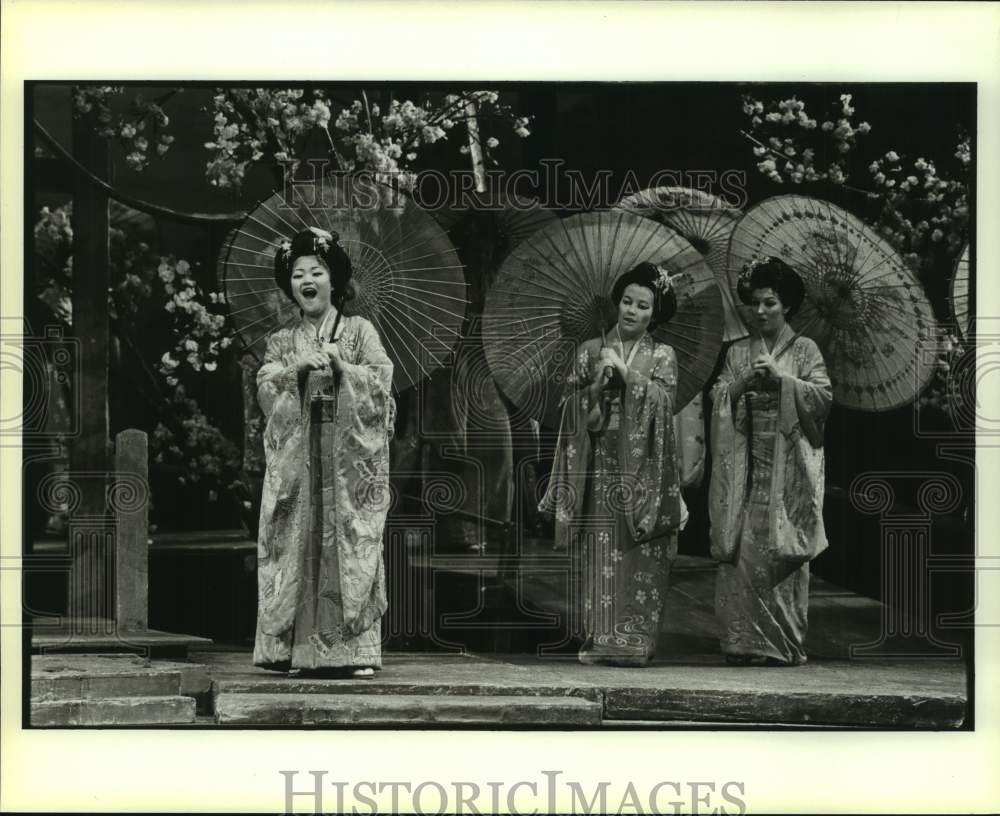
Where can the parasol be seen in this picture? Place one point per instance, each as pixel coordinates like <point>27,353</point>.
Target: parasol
<point>707,222</point>
<point>514,217</point>
<point>865,310</point>
<point>553,292</point>
<point>486,227</point>
<point>958,295</point>
<point>407,276</point>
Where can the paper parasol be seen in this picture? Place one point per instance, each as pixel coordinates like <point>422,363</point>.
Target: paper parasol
<point>513,217</point>
<point>407,275</point>
<point>863,307</point>
<point>486,227</point>
<point>958,294</point>
<point>707,222</point>
<point>554,291</point>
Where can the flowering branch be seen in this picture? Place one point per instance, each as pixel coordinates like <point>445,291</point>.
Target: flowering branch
<point>143,124</point>
<point>922,212</point>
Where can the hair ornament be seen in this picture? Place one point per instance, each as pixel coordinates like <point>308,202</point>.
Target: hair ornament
<point>749,267</point>
<point>322,239</point>
<point>663,282</point>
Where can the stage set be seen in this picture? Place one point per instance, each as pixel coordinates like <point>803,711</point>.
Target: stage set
<point>423,503</point>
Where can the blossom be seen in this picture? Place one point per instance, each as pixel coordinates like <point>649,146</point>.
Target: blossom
<point>492,142</point>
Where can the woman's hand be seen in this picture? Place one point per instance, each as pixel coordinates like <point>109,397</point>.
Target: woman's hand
<point>745,382</point>
<point>765,364</point>
<point>332,352</point>
<point>609,358</point>
<point>313,361</point>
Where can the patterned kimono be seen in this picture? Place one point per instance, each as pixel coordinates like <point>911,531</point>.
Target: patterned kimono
<point>321,584</point>
<point>766,498</point>
<point>614,491</point>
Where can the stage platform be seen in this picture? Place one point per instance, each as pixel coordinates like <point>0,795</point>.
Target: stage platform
<point>861,673</point>
<point>223,689</point>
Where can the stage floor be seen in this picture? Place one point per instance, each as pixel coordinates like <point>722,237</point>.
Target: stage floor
<point>862,673</point>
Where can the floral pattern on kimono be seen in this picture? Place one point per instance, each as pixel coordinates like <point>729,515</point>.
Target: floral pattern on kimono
<point>321,581</point>
<point>615,495</point>
<point>766,497</point>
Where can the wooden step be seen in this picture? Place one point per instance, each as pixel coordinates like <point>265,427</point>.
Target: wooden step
<point>98,635</point>
<point>857,707</point>
<point>405,709</point>
<point>88,678</point>
<point>118,711</point>
<point>419,686</point>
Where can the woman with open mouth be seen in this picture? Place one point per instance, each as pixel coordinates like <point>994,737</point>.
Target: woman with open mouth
<point>614,480</point>
<point>325,388</point>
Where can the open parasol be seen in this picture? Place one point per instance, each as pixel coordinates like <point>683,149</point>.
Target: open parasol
<point>485,227</point>
<point>863,307</point>
<point>407,276</point>
<point>514,217</point>
<point>554,291</point>
<point>706,222</point>
<point>958,294</point>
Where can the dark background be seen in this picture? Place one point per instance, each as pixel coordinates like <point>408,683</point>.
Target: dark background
<point>623,128</point>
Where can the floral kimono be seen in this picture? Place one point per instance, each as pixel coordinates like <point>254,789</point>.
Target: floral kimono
<point>321,584</point>
<point>766,498</point>
<point>614,491</point>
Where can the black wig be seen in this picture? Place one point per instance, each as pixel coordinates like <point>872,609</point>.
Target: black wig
<point>649,276</point>
<point>773,273</point>
<point>326,247</point>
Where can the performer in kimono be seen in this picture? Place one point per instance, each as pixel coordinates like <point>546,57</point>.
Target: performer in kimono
<point>325,390</point>
<point>614,484</point>
<point>766,490</point>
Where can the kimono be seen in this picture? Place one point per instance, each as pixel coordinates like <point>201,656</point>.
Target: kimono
<point>766,498</point>
<point>321,579</point>
<point>616,499</point>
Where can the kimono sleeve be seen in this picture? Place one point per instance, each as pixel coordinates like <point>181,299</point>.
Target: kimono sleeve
<point>806,398</point>
<point>567,482</point>
<point>366,383</point>
<point>658,390</point>
<point>727,481</point>
<point>724,397</point>
<point>648,445</point>
<point>276,378</point>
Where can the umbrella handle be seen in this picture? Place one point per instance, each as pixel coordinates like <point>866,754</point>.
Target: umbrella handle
<point>336,320</point>
<point>608,370</point>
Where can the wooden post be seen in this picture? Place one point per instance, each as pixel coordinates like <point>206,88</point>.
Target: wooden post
<point>130,501</point>
<point>475,147</point>
<point>89,453</point>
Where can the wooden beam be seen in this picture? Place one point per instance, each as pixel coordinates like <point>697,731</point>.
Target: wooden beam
<point>89,453</point>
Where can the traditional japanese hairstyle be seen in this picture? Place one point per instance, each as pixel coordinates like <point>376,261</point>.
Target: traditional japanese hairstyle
<point>771,273</point>
<point>657,280</point>
<point>324,245</point>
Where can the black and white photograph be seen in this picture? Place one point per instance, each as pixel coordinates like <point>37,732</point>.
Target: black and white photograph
<point>466,409</point>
